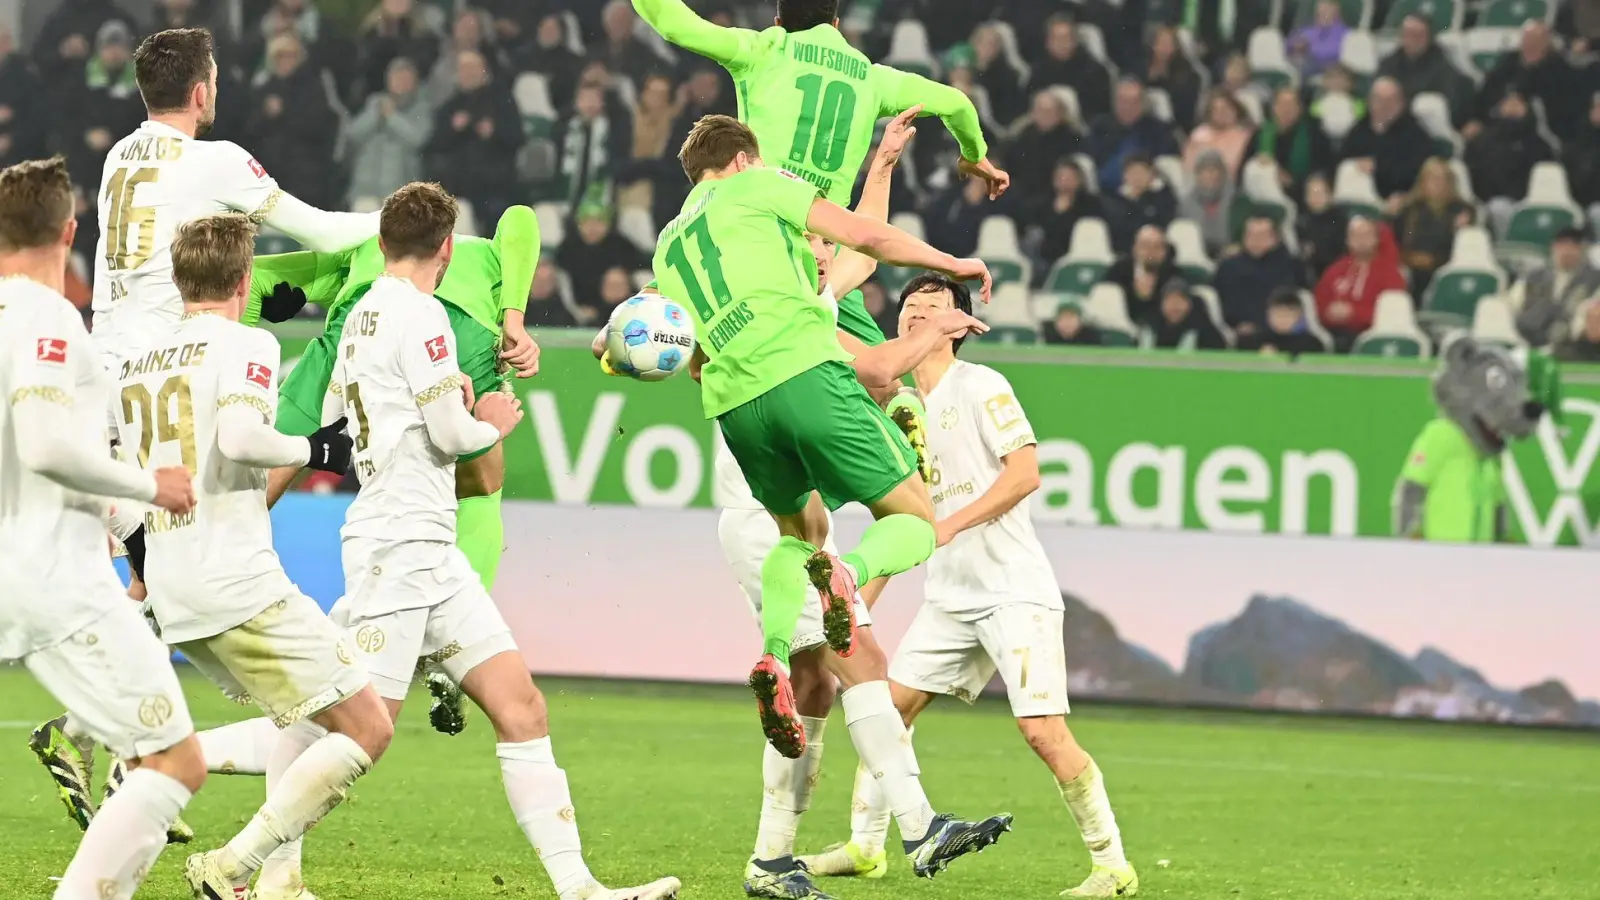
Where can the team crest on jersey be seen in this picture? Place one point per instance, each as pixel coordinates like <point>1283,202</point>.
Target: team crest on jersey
<point>947,419</point>
<point>51,350</point>
<point>437,349</point>
<point>258,375</point>
<point>258,168</point>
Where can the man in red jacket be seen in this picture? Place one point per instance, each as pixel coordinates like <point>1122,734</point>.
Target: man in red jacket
<point>1348,293</point>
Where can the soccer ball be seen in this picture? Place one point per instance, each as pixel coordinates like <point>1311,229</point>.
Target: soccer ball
<point>649,337</point>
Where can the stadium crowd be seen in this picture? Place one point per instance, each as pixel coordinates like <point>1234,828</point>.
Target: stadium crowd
<point>1267,175</point>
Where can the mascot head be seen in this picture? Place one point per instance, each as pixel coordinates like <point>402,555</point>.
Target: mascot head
<point>1495,395</point>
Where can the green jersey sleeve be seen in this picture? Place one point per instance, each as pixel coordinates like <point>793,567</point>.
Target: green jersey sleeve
<point>320,275</point>
<point>787,196</point>
<point>736,49</point>
<point>898,91</point>
<point>1430,453</point>
<point>516,243</point>
<point>855,321</point>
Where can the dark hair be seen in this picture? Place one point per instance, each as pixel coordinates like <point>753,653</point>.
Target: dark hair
<point>416,221</point>
<point>802,15</point>
<point>1283,295</point>
<point>1571,233</point>
<point>713,143</point>
<point>933,283</point>
<point>1138,158</point>
<point>35,204</point>
<point>169,64</point>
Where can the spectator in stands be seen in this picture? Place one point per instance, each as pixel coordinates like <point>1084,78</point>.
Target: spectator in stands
<point>1287,331</point>
<point>1068,327</point>
<point>550,56</point>
<point>292,126</point>
<point>652,126</point>
<point>67,39</point>
<point>467,35</point>
<point>1142,200</point>
<point>616,286</point>
<point>1419,65</point>
<point>1580,156</point>
<point>1316,45</point>
<point>100,105</point>
<point>1585,345</point>
<point>1347,295</point>
<point>387,138</point>
<point>1182,322</point>
<point>1214,204</point>
<point>1321,226</point>
<point>1046,136</point>
<point>1501,156</point>
<point>623,52</point>
<point>1294,141</point>
<point>1537,71</point>
<point>547,308</point>
<point>955,215</point>
<point>592,144</point>
<point>476,136</point>
<point>1054,219</point>
<point>701,95</point>
<point>1337,81</point>
<point>1547,298</point>
<point>394,29</point>
<point>1066,62</point>
<point>1142,272</point>
<point>591,248</point>
<point>511,19</point>
<point>1388,142</point>
<point>1427,221</point>
<point>1167,68</point>
<point>297,17</point>
<point>1226,130</point>
<point>1126,130</point>
<point>1245,280</point>
<point>994,72</point>
<point>22,117</point>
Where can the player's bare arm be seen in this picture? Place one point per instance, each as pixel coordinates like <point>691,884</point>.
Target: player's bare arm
<point>887,363</point>
<point>851,268</point>
<point>886,243</point>
<point>1017,481</point>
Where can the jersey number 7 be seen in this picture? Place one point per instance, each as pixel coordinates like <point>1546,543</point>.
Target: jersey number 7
<point>157,420</point>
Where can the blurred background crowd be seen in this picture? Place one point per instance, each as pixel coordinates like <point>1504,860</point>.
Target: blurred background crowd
<point>1280,176</point>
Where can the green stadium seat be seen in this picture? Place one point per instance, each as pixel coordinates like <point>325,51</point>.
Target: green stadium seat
<point>1512,13</point>
<point>1195,272</point>
<point>1454,295</point>
<point>1536,225</point>
<point>1007,271</point>
<point>1116,337</point>
<point>1010,334</point>
<point>1397,346</point>
<point>1441,14</point>
<point>1075,277</point>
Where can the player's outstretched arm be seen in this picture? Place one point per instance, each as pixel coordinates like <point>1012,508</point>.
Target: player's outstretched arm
<point>902,90</point>
<point>880,367</point>
<point>851,268</point>
<point>281,284</point>
<point>321,230</point>
<point>886,243</point>
<point>246,399</point>
<point>680,25</point>
<point>1018,479</point>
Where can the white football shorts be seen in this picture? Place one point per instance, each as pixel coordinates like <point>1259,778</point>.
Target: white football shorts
<point>459,628</point>
<point>290,659</point>
<point>747,536</point>
<point>942,654</point>
<point>116,678</point>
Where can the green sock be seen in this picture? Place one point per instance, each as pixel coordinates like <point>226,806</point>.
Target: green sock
<point>783,594</point>
<point>481,535</point>
<point>891,545</point>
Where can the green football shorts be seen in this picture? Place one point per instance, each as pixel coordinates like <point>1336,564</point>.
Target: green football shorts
<point>300,395</point>
<point>818,431</point>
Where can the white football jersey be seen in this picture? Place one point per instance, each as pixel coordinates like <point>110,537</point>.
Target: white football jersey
<point>213,568</point>
<point>974,421</point>
<point>56,567</point>
<point>397,354</point>
<point>156,179</point>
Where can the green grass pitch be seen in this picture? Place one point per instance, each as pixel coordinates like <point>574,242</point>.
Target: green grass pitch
<point>667,781</point>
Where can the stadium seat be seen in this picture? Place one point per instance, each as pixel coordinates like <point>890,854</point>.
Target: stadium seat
<point>1493,323</point>
<point>1008,40</point>
<point>1091,241</point>
<point>1171,170</point>
<point>1532,227</point>
<point>1433,112</point>
<point>1454,293</point>
<point>1208,298</point>
<point>1463,178</point>
<point>1269,64</point>
<point>1394,330</point>
<point>1354,190</point>
<point>552,223</point>
<point>1308,307</point>
<point>1159,104</point>
<point>1473,248</point>
<point>1485,46</point>
<point>1442,15</point>
<point>999,248</point>
<point>1086,261</point>
<point>531,91</point>
<point>1108,311</point>
<point>1261,185</point>
<point>910,51</point>
<point>1008,307</point>
<point>1547,186</point>
<point>1011,334</point>
<point>1091,171</point>
<point>574,32</point>
<point>910,223</point>
<point>466,218</point>
<point>635,224</point>
<point>1338,115</point>
<point>1359,54</point>
<point>1189,251</point>
<point>893,278</point>
<point>1512,13</point>
<point>1090,36</point>
<point>366,204</point>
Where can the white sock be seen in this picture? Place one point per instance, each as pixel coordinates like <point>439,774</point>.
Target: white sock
<point>126,836</point>
<point>281,873</point>
<point>869,815</point>
<point>884,747</point>
<point>537,790</point>
<point>242,748</point>
<point>1091,809</point>
<point>312,786</point>
<point>787,784</point>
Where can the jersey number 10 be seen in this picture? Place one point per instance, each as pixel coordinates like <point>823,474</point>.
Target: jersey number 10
<point>824,126</point>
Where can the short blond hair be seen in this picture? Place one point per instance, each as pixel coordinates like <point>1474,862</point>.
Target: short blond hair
<point>416,221</point>
<point>211,256</point>
<point>35,204</point>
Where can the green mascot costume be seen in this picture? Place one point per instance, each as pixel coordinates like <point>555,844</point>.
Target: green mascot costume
<point>1451,487</point>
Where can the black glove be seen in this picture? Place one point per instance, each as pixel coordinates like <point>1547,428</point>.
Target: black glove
<point>134,544</point>
<point>283,304</point>
<point>330,448</point>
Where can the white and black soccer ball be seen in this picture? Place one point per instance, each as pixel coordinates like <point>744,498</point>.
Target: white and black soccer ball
<point>649,337</point>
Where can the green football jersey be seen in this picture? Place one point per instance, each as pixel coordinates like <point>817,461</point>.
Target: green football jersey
<point>1464,489</point>
<point>855,321</point>
<point>737,257</point>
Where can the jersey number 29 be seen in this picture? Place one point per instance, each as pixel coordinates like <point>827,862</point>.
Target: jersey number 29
<point>159,421</point>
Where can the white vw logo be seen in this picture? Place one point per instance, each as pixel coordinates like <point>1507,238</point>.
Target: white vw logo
<point>1544,527</point>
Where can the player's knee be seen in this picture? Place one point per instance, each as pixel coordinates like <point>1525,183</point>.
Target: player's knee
<point>909,702</point>
<point>1045,734</point>
<point>523,716</point>
<point>814,686</point>
<point>183,762</point>
<point>365,719</point>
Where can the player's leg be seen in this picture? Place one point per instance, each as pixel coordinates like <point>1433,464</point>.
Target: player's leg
<point>239,748</point>
<point>472,643</point>
<point>480,532</point>
<point>297,666</point>
<point>116,679</point>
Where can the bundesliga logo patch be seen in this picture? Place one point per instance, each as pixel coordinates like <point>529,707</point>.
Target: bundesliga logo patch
<point>437,350</point>
<point>258,375</point>
<point>256,167</point>
<point>52,350</point>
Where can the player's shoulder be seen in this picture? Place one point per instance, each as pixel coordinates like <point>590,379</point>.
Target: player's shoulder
<point>24,298</point>
<point>977,378</point>
<point>1443,435</point>
<point>225,160</point>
